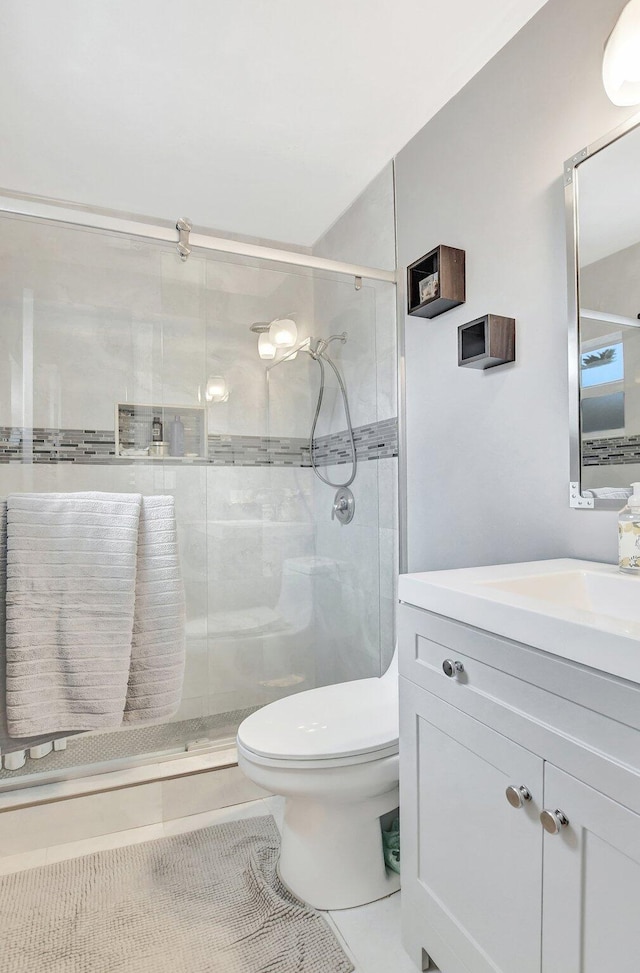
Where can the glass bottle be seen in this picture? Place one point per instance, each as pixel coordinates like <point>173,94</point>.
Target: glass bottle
<point>629,534</point>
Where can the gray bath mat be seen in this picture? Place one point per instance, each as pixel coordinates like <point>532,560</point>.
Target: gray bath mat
<point>208,901</point>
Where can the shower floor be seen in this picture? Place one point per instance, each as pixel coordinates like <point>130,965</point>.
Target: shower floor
<point>137,743</point>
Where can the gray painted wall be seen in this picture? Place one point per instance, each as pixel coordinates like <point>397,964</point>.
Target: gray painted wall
<point>488,452</point>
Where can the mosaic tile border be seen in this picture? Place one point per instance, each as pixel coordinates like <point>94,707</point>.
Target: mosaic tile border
<point>612,451</point>
<point>378,440</point>
<point>375,440</point>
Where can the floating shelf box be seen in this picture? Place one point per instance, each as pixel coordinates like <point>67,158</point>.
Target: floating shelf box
<point>487,342</point>
<point>449,266</point>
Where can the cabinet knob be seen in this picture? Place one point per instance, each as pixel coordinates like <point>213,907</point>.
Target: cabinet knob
<point>554,821</point>
<point>517,796</point>
<point>452,668</point>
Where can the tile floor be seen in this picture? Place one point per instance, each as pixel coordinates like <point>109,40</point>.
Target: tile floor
<point>369,935</point>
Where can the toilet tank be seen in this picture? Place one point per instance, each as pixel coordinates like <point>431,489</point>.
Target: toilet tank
<point>307,582</point>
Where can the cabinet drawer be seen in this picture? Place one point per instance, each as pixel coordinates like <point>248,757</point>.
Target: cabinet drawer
<point>580,719</point>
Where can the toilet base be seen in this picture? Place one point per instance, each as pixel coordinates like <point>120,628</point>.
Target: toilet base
<point>331,854</point>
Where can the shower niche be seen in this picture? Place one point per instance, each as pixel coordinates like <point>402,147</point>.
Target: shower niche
<point>144,431</point>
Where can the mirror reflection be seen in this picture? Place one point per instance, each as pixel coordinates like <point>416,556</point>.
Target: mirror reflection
<point>609,317</point>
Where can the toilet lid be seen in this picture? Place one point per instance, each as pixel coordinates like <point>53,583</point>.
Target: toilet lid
<point>332,721</point>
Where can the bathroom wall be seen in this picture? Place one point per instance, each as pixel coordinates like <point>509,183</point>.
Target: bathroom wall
<point>488,452</point>
<point>364,234</point>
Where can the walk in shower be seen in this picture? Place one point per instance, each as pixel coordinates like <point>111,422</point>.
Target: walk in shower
<point>112,342</point>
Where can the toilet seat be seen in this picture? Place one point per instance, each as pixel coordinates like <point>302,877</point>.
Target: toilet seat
<point>353,722</point>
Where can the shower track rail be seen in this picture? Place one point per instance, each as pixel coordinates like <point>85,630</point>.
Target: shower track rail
<point>76,214</point>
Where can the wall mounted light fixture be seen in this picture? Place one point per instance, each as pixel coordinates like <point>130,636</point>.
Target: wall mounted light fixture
<point>217,389</point>
<point>621,62</point>
<point>283,332</point>
<point>266,347</point>
<point>274,336</point>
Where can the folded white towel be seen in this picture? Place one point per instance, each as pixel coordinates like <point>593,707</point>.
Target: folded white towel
<point>608,493</point>
<point>9,744</point>
<point>75,565</point>
<point>71,574</point>
<point>158,645</point>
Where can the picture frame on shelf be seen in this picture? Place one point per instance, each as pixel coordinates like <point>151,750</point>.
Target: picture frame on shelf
<point>428,287</point>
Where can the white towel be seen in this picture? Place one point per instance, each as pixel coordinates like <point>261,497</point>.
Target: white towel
<point>9,744</point>
<point>158,646</point>
<point>608,493</point>
<point>72,574</point>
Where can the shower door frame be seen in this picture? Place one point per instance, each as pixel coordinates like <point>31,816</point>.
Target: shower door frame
<point>79,215</point>
<point>76,214</point>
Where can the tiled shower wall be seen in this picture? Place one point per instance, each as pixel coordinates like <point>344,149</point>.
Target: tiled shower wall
<point>365,234</point>
<point>277,599</point>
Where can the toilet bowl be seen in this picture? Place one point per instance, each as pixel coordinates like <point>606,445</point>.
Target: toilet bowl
<point>333,754</point>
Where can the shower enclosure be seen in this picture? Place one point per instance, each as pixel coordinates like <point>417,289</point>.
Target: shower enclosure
<point>108,341</point>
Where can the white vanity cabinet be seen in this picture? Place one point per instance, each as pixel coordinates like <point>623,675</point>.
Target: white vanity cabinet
<point>591,902</point>
<point>493,734</point>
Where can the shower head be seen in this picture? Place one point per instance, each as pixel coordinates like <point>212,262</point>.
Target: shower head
<point>317,346</point>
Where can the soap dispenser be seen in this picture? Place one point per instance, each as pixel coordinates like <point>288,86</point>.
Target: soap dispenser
<point>629,534</point>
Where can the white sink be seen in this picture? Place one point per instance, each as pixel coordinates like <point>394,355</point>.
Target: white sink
<point>602,593</point>
<point>581,610</point>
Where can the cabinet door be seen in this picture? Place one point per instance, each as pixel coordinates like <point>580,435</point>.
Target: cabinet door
<point>471,863</point>
<point>591,918</point>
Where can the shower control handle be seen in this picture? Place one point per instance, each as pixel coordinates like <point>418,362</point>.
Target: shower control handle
<point>344,506</point>
<point>339,506</point>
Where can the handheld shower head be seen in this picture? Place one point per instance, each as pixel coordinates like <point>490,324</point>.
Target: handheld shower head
<point>317,346</point>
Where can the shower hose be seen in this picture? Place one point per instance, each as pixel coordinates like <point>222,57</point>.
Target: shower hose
<point>321,359</point>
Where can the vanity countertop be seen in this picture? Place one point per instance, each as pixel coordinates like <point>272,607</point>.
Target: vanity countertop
<point>583,611</point>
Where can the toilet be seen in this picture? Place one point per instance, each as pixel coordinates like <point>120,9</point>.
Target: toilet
<point>332,753</point>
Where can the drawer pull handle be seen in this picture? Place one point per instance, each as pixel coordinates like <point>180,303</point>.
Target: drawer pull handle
<point>554,821</point>
<point>517,796</point>
<point>452,668</point>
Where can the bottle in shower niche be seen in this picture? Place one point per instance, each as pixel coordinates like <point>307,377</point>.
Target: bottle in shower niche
<point>629,534</point>
<point>176,437</point>
<point>156,430</point>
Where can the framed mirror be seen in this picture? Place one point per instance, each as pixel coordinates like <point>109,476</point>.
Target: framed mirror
<point>602,194</point>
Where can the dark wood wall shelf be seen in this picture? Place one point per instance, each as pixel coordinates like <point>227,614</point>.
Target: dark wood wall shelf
<point>487,342</point>
<point>436,282</point>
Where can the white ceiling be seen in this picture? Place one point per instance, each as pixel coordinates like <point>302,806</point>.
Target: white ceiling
<point>259,117</point>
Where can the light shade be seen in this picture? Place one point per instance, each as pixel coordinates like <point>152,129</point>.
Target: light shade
<point>217,389</point>
<point>621,62</point>
<point>266,347</point>
<point>283,332</point>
